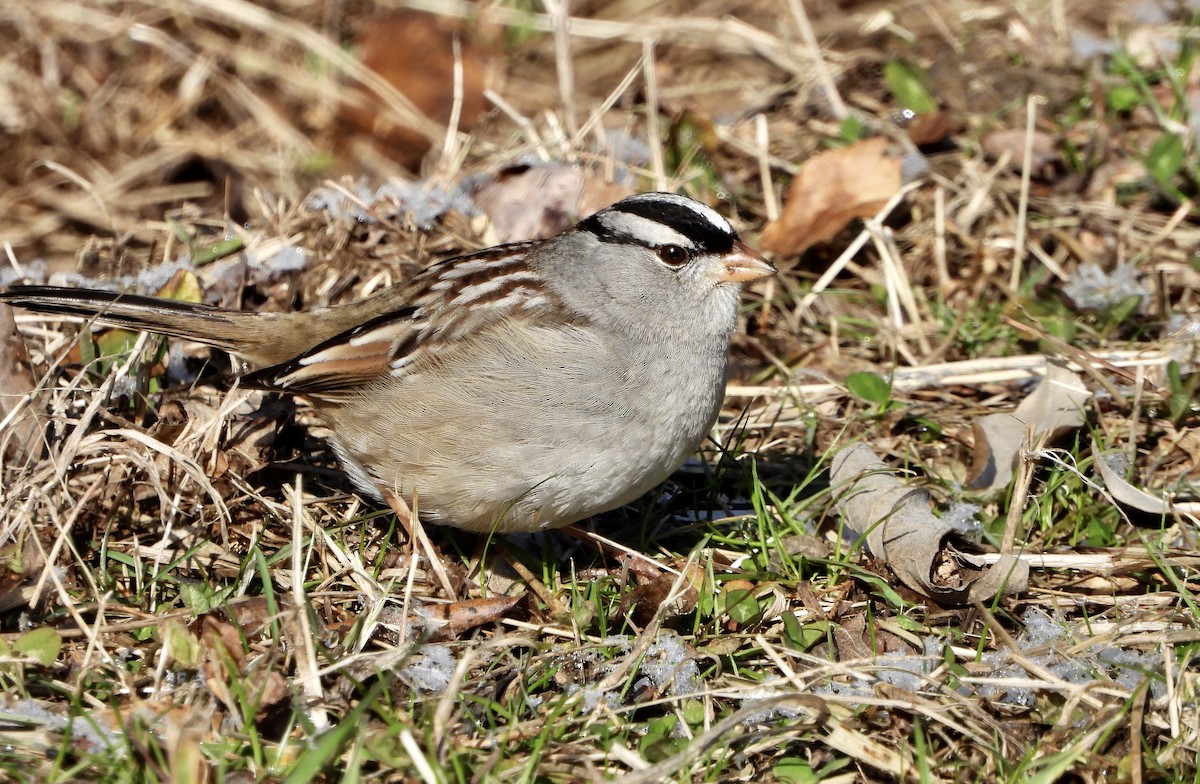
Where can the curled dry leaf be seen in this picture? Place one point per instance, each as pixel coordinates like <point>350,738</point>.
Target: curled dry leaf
<point>833,188</point>
<point>900,529</point>
<point>1108,465</point>
<point>1055,407</point>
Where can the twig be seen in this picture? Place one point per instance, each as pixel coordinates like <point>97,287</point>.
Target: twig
<point>836,105</point>
<point>1031,105</point>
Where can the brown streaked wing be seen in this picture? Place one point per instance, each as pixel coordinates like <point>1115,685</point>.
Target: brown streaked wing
<point>496,285</point>
<point>355,358</point>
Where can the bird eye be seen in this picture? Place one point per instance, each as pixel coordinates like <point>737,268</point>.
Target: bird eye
<point>673,255</point>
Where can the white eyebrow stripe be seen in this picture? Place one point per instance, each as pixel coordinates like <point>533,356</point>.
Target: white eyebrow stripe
<point>650,232</point>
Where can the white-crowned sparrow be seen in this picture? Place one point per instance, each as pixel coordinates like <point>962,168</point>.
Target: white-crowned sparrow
<point>522,387</point>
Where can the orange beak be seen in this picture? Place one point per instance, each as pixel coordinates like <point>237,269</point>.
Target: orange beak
<point>742,265</point>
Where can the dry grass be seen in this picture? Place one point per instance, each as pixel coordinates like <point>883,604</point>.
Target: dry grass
<point>222,606</point>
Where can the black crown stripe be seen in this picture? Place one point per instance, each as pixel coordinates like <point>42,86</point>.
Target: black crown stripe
<point>706,237</point>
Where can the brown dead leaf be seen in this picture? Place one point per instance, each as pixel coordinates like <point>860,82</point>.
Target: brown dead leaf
<point>415,53</point>
<point>458,617</point>
<point>833,188</point>
<point>224,640</point>
<point>250,615</point>
<point>1187,443</point>
<point>648,597</point>
<point>532,202</point>
<point>1111,175</point>
<point>172,421</point>
<point>931,127</point>
<point>23,559</point>
<point>182,736</point>
<point>272,689</point>
<point>225,659</point>
<point>852,639</point>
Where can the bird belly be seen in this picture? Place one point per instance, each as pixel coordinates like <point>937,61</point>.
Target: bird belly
<point>537,441</point>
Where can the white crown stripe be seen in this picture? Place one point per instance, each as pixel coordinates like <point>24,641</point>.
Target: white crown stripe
<point>646,230</point>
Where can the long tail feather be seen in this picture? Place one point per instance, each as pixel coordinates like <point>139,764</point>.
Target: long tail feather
<point>226,329</point>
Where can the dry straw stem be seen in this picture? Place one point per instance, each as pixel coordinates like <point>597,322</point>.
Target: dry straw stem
<point>972,372</point>
<point>303,637</point>
<point>1023,204</point>
<point>726,35</point>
